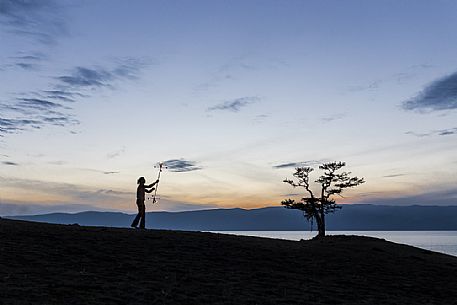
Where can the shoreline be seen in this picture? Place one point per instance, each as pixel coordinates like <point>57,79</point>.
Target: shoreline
<point>439,241</point>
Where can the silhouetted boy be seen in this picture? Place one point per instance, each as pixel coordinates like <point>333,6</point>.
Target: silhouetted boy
<point>140,196</point>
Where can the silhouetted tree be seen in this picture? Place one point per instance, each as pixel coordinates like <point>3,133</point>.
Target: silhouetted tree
<point>331,182</point>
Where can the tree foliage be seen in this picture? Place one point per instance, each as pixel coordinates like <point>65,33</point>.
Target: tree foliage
<point>332,182</point>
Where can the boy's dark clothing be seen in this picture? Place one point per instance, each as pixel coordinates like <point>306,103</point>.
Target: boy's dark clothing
<point>141,214</point>
<point>140,197</point>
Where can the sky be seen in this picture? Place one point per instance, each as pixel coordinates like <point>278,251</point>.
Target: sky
<point>232,94</point>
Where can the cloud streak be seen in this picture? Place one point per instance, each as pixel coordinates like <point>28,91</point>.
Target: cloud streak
<point>40,20</point>
<point>32,113</point>
<point>10,163</point>
<point>300,164</point>
<point>87,77</point>
<point>38,104</point>
<point>116,153</point>
<point>15,125</point>
<point>38,109</point>
<point>104,172</point>
<point>28,61</point>
<point>334,117</point>
<point>235,105</point>
<point>24,61</point>
<point>98,77</point>
<point>393,175</point>
<point>440,94</point>
<point>440,132</point>
<point>227,72</point>
<point>66,96</point>
<point>181,165</point>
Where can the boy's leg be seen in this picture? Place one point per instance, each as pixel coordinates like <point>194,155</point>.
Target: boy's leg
<point>136,220</point>
<point>143,214</point>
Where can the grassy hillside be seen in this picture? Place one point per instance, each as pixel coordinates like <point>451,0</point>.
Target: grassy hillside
<point>58,264</point>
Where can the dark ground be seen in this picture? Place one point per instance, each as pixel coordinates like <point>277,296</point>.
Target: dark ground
<point>57,264</point>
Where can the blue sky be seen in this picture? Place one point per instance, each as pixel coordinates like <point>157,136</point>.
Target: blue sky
<point>94,93</point>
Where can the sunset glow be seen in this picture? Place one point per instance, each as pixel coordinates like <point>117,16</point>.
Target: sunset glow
<point>234,94</point>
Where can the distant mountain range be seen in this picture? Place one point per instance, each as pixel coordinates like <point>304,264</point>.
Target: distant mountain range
<point>356,217</point>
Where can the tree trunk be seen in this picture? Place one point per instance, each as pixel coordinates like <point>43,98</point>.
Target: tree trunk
<point>320,226</point>
<point>321,223</point>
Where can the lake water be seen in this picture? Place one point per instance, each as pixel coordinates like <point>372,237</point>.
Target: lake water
<point>439,241</point>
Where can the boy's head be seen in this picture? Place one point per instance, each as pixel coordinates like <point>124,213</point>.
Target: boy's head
<point>141,180</point>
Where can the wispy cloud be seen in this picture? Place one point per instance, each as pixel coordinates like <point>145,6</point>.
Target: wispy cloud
<point>334,117</point>
<point>228,71</point>
<point>235,105</point>
<point>37,109</point>
<point>113,192</point>
<point>300,164</point>
<point>291,195</point>
<point>399,78</point>
<point>129,68</point>
<point>393,175</point>
<point>104,172</point>
<point>15,125</point>
<point>87,77</point>
<point>410,73</point>
<point>260,118</point>
<point>10,163</point>
<point>289,164</point>
<point>40,20</point>
<point>63,95</point>
<point>96,77</point>
<point>116,153</point>
<point>446,132</point>
<point>26,66</point>
<point>27,61</point>
<point>59,162</point>
<point>110,172</point>
<point>59,121</point>
<point>29,57</point>
<point>366,87</point>
<point>38,104</point>
<point>236,68</point>
<point>440,94</point>
<point>182,165</point>
<point>29,112</point>
<point>417,134</point>
<point>439,132</point>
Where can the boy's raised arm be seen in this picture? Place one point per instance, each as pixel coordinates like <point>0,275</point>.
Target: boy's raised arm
<point>152,184</point>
